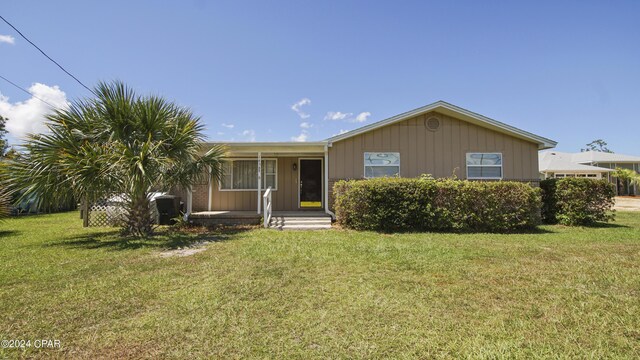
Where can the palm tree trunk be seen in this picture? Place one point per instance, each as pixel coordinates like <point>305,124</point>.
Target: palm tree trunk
<point>139,221</point>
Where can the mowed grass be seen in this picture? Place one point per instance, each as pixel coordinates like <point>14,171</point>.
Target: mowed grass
<point>558,293</point>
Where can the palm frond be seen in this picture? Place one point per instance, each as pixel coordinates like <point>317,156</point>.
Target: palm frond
<point>5,203</point>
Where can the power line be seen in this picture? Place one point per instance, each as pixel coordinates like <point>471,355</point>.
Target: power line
<point>47,56</point>
<point>25,90</point>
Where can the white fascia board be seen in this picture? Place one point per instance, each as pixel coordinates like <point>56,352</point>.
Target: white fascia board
<point>274,143</point>
<point>271,147</point>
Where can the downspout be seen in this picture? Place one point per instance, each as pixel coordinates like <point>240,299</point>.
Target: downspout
<point>189,203</point>
<point>259,180</point>
<point>326,183</point>
<point>210,189</point>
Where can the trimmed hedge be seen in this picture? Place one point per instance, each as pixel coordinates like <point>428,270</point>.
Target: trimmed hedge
<point>391,204</point>
<point>549,202</point>
<point>577,201</point>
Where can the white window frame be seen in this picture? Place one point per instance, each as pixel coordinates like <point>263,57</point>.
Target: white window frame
<point>501,166</point>
<point>364,157</point>
<point>578,175</point>
<point>264,179</point>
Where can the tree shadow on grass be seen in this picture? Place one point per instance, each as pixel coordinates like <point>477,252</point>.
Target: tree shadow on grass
<point>534,231</point>
<point>605,225</point>
<point>163,240</point>
<point>7,233</point>
<point>597,225</point>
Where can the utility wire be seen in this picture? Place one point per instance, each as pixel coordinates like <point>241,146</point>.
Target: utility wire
<point>25,90</point>
<point>47,56</point>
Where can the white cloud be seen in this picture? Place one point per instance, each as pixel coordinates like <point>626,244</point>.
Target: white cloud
<point>28,116</point>
<point>340,116</point>
<point>337,115</point>
<point>228,126</point>
<point>341,132</point>
<point>249,135</point>
<point>7,39</point>
<point>306,125</point>
<point>302,137</point>
<point>219,133</point>
<point>296,107</point>
<point>362,117</point>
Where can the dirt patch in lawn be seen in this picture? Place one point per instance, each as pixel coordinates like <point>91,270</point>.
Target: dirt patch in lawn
<point>182,252</point>
<point>189,250</point>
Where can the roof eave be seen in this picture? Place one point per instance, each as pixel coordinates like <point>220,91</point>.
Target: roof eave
<point>274,143</point>
<point>232,148</point>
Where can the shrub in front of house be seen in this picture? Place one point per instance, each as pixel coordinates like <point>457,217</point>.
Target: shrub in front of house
<point>392,204</point>
<point>577,201</point>
<point>549,203</point>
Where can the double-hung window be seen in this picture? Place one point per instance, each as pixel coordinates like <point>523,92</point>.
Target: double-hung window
<point>383,164</point>
<point>242,174</point>
<point>484,166</point>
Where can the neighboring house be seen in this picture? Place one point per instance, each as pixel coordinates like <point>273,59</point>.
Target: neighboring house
<point>555,164</point>
<point>438,139</point>
<point>592,164</point>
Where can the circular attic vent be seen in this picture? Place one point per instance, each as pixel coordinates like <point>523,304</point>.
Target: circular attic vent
<point>432,123</point>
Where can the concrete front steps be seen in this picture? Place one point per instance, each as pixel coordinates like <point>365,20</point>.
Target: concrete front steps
<point>300,222</point>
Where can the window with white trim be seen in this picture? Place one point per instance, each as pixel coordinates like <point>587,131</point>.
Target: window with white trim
<point>576,175</point>
<point>381,164</point>
<point>484,166</point>
<point>242,174</point>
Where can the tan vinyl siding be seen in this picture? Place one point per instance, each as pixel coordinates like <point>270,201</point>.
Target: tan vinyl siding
<point>284,199</point>
<point>433,152</point>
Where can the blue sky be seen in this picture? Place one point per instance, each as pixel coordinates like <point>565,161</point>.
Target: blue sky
<point>568,70</point>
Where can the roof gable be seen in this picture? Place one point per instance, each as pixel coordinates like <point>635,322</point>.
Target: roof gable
<point>457,112</point>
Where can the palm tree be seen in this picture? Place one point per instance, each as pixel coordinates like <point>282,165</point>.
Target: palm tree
<point>118,142</point>
<point>5,196</point>
<point>628,177</point>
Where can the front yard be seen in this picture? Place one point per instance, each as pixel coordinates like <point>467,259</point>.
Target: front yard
<point>559,292</point>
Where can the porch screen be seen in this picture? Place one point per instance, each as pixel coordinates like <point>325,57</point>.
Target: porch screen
<point>484,166</point>
<point>243,174</point>
<point>381,164</point>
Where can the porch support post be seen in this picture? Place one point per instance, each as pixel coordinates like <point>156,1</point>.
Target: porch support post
<point>210,189</point>
<point>326,182</point>
<point>635,185</point>
<point>259,181</point>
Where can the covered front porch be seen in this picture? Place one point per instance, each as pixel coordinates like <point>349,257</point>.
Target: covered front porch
<point>304,217</point>
<point>262,179</point>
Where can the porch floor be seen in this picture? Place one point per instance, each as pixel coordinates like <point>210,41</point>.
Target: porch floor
<point>236,214</point>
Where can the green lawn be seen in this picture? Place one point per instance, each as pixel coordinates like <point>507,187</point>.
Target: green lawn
<point>561,292</point>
